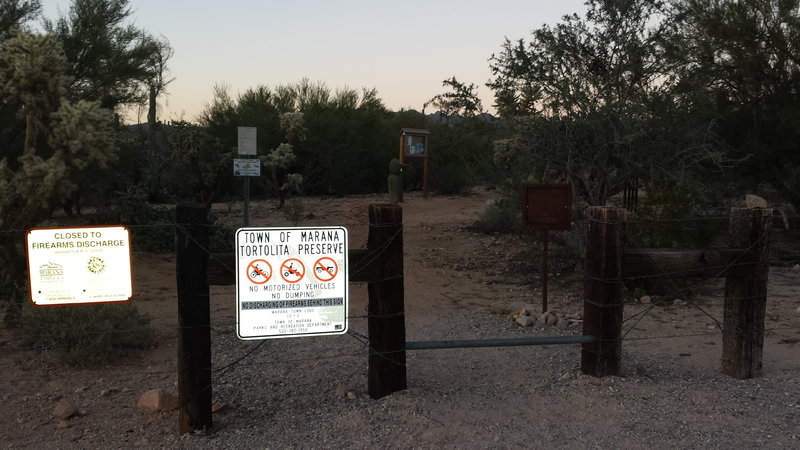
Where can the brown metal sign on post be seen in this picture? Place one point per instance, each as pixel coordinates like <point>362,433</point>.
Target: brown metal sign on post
<point>546,207</point>
<point>414,144</point>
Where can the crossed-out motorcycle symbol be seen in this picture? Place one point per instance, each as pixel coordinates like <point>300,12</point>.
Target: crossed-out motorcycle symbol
<point>292,270</point>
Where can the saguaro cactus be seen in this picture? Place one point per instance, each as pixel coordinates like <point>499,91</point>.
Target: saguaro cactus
<point>395,181</point>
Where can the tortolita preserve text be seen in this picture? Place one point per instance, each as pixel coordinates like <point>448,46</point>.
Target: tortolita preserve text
<point>274,243</point>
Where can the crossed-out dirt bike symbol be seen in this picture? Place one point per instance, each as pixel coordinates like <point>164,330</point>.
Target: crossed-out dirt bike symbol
<point>292,270</point>
<point>259,271</point>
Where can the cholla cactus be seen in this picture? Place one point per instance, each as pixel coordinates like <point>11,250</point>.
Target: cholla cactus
<point>32,73</point>
<point>279,160</point>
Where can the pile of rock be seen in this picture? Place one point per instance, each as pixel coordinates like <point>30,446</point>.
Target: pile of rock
<point>524,318</point>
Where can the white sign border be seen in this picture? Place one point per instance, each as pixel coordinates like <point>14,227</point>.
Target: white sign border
<point>76,303</point>
<point>344,270</point>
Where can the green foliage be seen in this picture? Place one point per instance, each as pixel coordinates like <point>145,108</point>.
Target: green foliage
<point>499,217</point>
<point>86,335</point>
<point>740,62</point>
<point>587,102</point>
<point>294,211</point>
<point>79,135</point>
<point>462,100</point>
<point>197,162</point>
<point>14,14</point>
<point>32,70</point>
<point>461,139</point>
<point>151,226</point>
<point>676,217</point>
<point>111,62</point>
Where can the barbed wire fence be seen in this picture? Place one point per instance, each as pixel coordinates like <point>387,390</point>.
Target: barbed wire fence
<point>671,279</point>
<point>245,359</point>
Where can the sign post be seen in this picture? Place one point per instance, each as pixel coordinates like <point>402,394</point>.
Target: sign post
<point>291,282</point>
<point>80,265</point>
<point>546,207</point>
<point>246,145</point>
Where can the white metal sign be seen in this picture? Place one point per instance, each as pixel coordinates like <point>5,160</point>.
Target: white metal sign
<point>246,167</point>
<point>247,139</point>
<point>79,265</point>
<point>291,282</point>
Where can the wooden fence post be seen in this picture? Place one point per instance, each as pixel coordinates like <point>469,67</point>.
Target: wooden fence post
<point>386,322</point>
<point>603,291</point>
<point>194,336</point>
<point>746,296</point>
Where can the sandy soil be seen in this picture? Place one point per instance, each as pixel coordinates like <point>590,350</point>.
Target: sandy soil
<point>291,393</point>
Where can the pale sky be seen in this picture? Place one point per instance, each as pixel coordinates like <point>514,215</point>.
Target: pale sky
<point>402,49</point>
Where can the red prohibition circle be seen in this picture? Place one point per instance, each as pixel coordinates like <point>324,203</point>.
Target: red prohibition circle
<point>253,271</point>
<point>325,269</point>
<point>289,270</point>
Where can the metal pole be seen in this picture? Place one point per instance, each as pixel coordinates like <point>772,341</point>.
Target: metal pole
<point>246,201</point>
<point>513,342</point>
<point>545,239</point>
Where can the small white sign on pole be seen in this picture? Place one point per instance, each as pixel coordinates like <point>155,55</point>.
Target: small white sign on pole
<point>79,265</point>
<point>247,139</point>
<point>246,167</point>
<point>291,282</point>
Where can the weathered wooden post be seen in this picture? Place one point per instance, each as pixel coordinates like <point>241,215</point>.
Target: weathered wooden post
<point>746,295</point>
<point>603,292</point>
<point>194,336</point>
<point>386,322</point>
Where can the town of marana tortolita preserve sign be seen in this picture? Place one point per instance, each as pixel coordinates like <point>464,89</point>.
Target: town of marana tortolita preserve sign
<point>68,266</point>
<point>291,282</point>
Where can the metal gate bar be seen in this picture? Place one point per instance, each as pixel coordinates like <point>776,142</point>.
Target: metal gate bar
<point>513,342</point>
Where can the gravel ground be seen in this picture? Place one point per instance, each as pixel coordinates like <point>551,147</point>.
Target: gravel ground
<point>311,392</point>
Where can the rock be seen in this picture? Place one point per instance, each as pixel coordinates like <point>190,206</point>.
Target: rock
<point>754,201</point>
<point>521,313</point>
<point>352,395</point>
<point>796,268</point>
<point>550,319</point>
<point>219,407</point>
<point>65,409</point>
<point>562,323</point>
<point>109,391</point>
<point>340,391</point>
<point>679,302</point>
<point>525,321</point>
<point>797,310</point>
<point>81,389</point>
<point>542,318</point>
<point>157,400</point>
<point>646,300</point>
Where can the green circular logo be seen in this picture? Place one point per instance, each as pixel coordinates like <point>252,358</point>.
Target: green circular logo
<point>96,264</point>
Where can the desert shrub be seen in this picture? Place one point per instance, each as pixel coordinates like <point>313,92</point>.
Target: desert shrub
<point>448,178</point>
<point>498,217</point>
<point>151,226</point>
<point>221,238</point>
<point>85,335</point>
<point>294,211</point>
<point>675,217</point>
